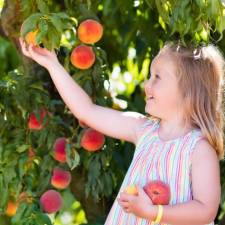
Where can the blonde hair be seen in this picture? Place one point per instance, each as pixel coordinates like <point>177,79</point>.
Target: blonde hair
<point>200,73</point>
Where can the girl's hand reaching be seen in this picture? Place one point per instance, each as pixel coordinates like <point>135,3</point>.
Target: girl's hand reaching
<point>140,204</point>
<point>42,56</point>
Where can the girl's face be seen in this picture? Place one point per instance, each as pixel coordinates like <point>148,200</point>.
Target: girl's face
<point>162,93</point>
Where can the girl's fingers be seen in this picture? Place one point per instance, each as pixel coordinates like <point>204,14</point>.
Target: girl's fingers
<point>123,203</point>
<point>126,210</point>
<point>23,47</point>
<point>39,50</point>
<point>33,53</point>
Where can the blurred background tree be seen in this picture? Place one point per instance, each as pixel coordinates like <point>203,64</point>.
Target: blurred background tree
<point>134,31</point>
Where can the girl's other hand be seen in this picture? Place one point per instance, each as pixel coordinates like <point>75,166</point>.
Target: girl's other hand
<point>139,205</point>
<point>42,56</point>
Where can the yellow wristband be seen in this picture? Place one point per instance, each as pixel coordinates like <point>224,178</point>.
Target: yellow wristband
<point>159,214</point>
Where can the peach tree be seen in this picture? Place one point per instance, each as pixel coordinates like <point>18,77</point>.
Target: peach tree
<point>49,158</point>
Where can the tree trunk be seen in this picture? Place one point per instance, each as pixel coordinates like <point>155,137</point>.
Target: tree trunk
<point>92,209</point>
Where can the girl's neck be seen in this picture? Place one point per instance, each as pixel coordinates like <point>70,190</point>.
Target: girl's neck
<point>172,129</point>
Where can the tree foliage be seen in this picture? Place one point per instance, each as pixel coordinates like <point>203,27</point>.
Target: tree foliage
<point>134,31</point>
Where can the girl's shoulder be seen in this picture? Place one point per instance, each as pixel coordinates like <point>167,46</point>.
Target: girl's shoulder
<point>202,150</point>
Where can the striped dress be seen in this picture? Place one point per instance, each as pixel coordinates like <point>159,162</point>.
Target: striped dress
<point>155,159</point>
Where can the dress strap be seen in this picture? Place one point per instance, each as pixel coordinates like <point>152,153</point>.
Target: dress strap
<point>146,128</point>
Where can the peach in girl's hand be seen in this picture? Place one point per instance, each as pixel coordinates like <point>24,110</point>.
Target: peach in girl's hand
<point>131,190</point>
<point>42,56</point>
<point>158,191</point>
<point>30,37</point>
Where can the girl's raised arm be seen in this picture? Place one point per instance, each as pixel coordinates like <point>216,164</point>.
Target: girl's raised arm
<point>113,123</point>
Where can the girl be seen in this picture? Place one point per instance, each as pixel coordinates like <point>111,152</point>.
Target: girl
<point>180,143</point>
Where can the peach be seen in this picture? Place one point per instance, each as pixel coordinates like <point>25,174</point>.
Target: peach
<point>30,37</point>
<point>11,208</point>
<point>158,191</point>
<point>51,201</point>
<point>59,149</point>
<point>82,57</point>
<point>131,190</point>
<point>60,178</point>
<point>92,140</point>
<point>90,31</point>
<point>34,123</point>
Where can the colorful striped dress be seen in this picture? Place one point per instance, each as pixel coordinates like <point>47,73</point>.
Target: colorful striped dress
<point>155,159</point>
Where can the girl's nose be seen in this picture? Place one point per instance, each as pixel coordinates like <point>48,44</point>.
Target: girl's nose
<point>147,84</point>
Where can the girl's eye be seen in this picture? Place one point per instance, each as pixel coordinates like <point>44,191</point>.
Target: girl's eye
<point>157,76</point>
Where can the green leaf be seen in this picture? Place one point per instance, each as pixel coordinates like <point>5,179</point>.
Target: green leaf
<point>57,22</point>
<point>42,6</point>
<point>107,184</point>
<point>3,191</point>
<point>52,40</point>
<point>19,214</point>
<point>42,219</point>
<point>1,151</point>
<point>68,200</point>
<point>63,15</point>
<point>73,158</point>
<point>30,24</point>
<point>22,148</point>
<point>43,27</point>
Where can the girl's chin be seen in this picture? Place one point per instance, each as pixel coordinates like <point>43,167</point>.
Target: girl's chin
<point>148,104</point>
<point>148,110</point>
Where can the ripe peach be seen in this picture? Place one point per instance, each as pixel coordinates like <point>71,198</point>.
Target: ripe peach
<point>11,208</point>
<point>30,37</point>
<point>92,140</point>
<point>51,201</point>
<point>82,57</point>
<point>131,190</point>
<point>59,149</point>
<point>60,178</point>
<point>158,191</point>
<point>34,123</point>
<point>90,31</point>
